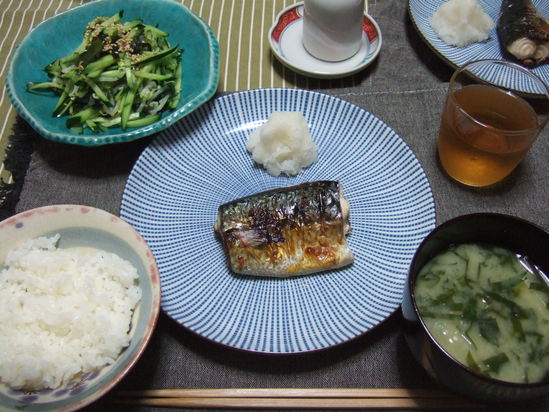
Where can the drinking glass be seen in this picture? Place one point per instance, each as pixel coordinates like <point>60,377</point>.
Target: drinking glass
<point>487,128</point>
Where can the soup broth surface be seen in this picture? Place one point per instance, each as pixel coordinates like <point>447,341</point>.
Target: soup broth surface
<point>489,309</point>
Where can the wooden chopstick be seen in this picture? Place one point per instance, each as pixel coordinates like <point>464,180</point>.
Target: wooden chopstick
<point>289,393</point>
<point>313,398</point>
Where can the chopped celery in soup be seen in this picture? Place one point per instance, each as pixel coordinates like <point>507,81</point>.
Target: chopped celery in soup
<point>489,309</point>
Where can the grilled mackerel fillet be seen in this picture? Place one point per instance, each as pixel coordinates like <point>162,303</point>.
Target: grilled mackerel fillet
<point>523,32</point>
<point>289,231</point>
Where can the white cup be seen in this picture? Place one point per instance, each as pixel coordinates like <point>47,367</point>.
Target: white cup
<point>332,29</point>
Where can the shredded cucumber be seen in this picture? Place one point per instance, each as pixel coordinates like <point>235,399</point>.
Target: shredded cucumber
<point>102,83</point>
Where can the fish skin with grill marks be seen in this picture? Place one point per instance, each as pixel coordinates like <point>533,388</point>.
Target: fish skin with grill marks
<point>523,32</point>
<point>289,231</point>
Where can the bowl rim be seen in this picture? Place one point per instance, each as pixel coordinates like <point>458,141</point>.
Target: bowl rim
<point>121,136</point>
<point>153,276</point>
<point>411,282</point>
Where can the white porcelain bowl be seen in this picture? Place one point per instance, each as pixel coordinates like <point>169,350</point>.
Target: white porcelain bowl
<point>83,226</point>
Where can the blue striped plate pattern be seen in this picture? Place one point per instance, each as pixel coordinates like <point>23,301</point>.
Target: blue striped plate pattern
<point>422,10</point>
<point>176,186</point>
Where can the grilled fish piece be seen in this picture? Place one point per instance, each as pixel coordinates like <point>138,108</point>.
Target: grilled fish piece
<point>291,231</point>
<point>523,32</point>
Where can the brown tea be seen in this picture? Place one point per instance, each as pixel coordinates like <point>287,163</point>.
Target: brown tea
<point>484,134</point>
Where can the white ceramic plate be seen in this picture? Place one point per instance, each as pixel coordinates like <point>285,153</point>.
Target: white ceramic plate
<point>422,10</point>
<point>286,45</point>
<point>178,183</point>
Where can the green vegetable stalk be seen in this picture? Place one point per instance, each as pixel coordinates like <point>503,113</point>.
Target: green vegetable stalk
<point>121,75</point>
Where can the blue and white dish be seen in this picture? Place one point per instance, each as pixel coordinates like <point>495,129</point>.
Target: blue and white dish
<point>422,10</point>
<point>176,186</point>
<point>59,35</point>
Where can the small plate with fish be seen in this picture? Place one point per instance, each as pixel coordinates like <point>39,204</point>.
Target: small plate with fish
<point>198,175</point>
<point>421,12</point>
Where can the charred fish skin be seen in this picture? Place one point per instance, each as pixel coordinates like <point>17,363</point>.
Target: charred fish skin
<point>523,32</point>
<point>289,231</point>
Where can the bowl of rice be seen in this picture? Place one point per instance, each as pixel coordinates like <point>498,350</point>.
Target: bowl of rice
<point>79,300</point>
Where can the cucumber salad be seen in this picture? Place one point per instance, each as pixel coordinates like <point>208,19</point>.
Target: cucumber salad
<point>489,309</point>
<point>121,75</point>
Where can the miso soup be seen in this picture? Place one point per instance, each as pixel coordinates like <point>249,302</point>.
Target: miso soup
<point>489,309</point>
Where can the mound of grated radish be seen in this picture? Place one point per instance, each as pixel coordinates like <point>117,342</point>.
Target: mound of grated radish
<point>283,144</point>
<point>63,312</point>
<point>461,22</point>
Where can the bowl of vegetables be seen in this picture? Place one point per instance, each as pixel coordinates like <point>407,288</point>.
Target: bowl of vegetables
<point>113,71</point>
<point>476,307</point>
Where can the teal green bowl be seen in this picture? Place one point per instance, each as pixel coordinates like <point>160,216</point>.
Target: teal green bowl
<point>59,35</point>
<point>86,227</point>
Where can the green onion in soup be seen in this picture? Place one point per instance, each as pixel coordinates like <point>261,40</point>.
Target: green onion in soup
<point>489,309</point>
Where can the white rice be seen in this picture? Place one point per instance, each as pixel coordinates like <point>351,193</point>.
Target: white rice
<point>283,144</point>
<point>461,23</point>
<point>63,312</point>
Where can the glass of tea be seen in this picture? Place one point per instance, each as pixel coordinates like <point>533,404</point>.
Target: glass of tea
<point>487,128</point>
